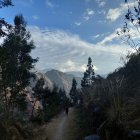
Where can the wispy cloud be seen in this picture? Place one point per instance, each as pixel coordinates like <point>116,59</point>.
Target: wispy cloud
<point>109,38</point>
<point>114,14</point>
<point>78,23</point>
<point>102,12</point>
<point>49,3</point>
<point>71,52</point>
<point>35,17</point>
<point>72,66</point>
<point>101,3</point>
<point>96,36</point>
<point>88,14</point>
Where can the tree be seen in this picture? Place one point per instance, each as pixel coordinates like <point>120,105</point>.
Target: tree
<point>63,97</point>
<point>5,3</point>
<point>3,23</point>
<point>38,94</point>
<point>73,92</point>
<point>89,75</point>
<point>130,32</point>
<point>15,64</point>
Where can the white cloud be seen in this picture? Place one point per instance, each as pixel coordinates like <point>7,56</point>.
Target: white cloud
<point>88,14</point>
<point>49,3</point>
<point>109,38</point>
<point>114,14</point>
<point>101,3</point>
<point>72,66</point>
<point>96,36</point>
<point>35,17</point>
<point>62,50</point>
<point>100,36</point>
<point>77,23</point>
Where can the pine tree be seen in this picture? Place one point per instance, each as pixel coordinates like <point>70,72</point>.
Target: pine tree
<point>3,23</point>
<point>16,63</point>
<point>89,75</point>
<point>73,92</point>
<point>64,101</point>
<point>5,3</point>
<point>38,94</point>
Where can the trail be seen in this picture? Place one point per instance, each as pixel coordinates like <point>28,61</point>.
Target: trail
<point>59,128</point>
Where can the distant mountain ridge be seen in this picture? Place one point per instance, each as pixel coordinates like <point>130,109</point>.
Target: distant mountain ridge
<point>62,80</point>
<point>56,78</point>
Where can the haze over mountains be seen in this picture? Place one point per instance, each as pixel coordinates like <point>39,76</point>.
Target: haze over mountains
<point>74,73</point>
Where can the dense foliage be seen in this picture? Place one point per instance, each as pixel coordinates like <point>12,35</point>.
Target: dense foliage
<point>113,105</point>
<point>52,102</point>
<point>15,63</point>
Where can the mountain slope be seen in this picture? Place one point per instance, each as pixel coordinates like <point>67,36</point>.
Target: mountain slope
<point>62,80</point>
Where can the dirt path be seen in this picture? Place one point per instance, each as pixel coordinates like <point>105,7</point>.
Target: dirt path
<point>62,127</point>
<point>55,128</point>
<point>59,127</point>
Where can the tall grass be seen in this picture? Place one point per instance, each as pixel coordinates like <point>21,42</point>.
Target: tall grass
<point>119,112</point>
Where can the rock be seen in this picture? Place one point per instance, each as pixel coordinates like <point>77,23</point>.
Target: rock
<point>92,137</point>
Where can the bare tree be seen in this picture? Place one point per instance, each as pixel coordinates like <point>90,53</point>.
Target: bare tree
<point>130,32</point>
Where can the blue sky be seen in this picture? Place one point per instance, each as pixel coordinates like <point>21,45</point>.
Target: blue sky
<point>67,32</point>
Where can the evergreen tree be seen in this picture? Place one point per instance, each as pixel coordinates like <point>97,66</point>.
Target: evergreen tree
<point>38,94</point>
<point>89,75</point>
<point>15,64</point>
<point>64,101</point>
<point>5,3</point>
<point>45,95</point>
<point>3,23</point>
<point>73,91</point>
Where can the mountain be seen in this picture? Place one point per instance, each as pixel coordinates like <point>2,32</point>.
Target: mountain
<point>52,78</point>
<point>55,78</point>
<point>74,73</point>
<point>59,79</point>
<point>62,80</point>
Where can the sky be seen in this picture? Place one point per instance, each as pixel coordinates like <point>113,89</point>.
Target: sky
<point>67,32</point>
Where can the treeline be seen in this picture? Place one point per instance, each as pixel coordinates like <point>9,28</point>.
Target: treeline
<point>52,102</point>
